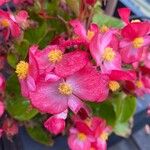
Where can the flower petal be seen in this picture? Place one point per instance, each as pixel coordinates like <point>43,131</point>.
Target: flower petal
<point>47,98</point>
<point>88,84</point>
<point>71,63</point>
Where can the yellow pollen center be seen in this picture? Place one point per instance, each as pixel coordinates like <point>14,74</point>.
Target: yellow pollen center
<point>104,29</point>
<point>90,35</point>
<point>108,54</point>
<point>22,69</point>
<point>138,42</point>
<point>5,23</point>
<point>139,84</point>
<point>104,136</point>
<point>81,136</point>
<point>65,89</point>
<point>136,20</point>
<point>114,86</point>
<point>55,55</point>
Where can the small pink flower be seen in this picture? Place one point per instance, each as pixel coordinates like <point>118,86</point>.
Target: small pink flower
<point>56,123</point>
<point>135,37</point>
<point>9,25</point>
<point>81,32</point>
<point>27,74</point>
<point>21,19</point>
<point>55,97</point>
<point>88,134</point>
<point>104,53</point>
<point>53,58</point>
<point>10,127</point>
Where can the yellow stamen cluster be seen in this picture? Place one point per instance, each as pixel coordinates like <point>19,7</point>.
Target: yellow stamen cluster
<point>108,54</point>
<point>65,88</point>
<point>90,35</point>
<point>81,136</point>
<point>104,29</point>
<point>138,42</point>
<point>139,84</point>
<point>22,69</point>
<point>55,56</point>
<point>104,136</point>
<point>5,23</point>
<point>114,86</point>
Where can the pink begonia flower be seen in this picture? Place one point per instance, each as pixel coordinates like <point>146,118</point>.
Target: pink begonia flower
<point>103,52</point>
<point>135,37</point>
<point>10,127</point>
<point>52,58</point>
<point>1,108</point>
<point>21,19</point>
<point>117,76</point>
<point>81,32</point>
<point>55,97</point>
<point>9,25</point>
<point>27,74</point>
<point>89,134</point>
<point>56,123</point>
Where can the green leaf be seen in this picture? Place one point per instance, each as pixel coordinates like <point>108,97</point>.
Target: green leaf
<point>22,48</point>
<point>40,135</point>
<point>12,60</point>
<point>123,129</point>
<point>124,107</point>
<point>17,106</point>
<point>37,35</point>
<point>101,19</point>
<point>104,110</point>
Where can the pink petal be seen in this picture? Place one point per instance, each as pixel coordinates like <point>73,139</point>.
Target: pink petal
<point>55,125</point>
<point>15,29</point>
<point>75,144</point>
<point>107,66</point>
<point>75,104</point>
<point>88,84</point>
<point>62,115</point>
<point>31,83</point>
<point>51,77</point>
<point>124,14</point>
<point>79,29</point>
<point>47,98</point>
<point>122,75</point>
<point>71,63</point>
<point>24,88</point>
<point>41,57</point>
<point>1,108</point>
<point>131,55</point>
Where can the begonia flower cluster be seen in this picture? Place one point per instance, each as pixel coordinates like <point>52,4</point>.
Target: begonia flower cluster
<point>72,71</point>
<point>63,76</point>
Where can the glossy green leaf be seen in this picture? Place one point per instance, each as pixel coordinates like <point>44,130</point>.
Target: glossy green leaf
<point>104,110</point>
<point>124,107</point>
<point>40,135</point>
<point>101,19</point>
<point>17,106</point>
